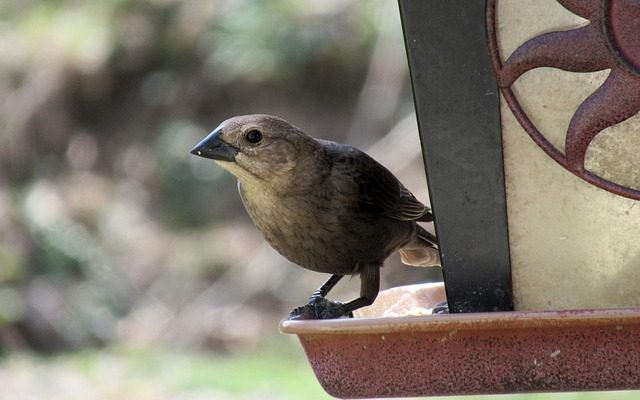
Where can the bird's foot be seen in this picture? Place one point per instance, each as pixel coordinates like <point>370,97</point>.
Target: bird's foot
<point>319,308</point>
<point>440,308</point>
<point>316,298</point>
<point>302,312</point>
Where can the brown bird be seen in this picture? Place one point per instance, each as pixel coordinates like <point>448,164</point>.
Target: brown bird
<point>325,206</point>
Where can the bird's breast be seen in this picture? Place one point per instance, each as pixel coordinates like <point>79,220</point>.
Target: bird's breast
<point>318,231</point>
<point>301,227</point>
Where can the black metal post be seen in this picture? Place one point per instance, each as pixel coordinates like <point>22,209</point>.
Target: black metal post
<point>458,111</point>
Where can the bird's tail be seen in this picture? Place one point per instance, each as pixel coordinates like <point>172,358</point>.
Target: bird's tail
<point>422,251</point>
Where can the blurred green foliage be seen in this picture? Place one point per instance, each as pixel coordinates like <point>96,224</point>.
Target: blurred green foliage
<point>110,230</point>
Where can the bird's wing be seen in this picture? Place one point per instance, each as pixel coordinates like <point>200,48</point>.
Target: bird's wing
<point>380,192</point>
<point>412,206</point>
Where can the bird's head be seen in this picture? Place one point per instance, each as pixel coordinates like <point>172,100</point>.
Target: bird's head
<point>257,147</point>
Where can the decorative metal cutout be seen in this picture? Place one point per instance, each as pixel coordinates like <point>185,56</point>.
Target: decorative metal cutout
<point>610,41</point>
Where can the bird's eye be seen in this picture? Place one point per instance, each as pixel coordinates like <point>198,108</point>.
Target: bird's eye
<point>253,136</point>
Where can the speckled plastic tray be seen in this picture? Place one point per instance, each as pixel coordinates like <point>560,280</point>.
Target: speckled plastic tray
<point>505,352</point>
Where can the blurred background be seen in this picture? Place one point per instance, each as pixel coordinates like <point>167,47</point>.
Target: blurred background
<point>128,267</point>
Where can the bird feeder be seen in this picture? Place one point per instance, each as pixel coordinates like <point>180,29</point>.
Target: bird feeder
<point>529,117</point>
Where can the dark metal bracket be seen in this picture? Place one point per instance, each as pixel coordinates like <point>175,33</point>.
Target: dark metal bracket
<point>458,110</point>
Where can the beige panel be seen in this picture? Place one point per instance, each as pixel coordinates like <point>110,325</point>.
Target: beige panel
<point>573,245</point>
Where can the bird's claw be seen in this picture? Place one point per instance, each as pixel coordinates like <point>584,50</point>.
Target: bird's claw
<point>440,308</point>
<point>302,312</point>
<point>316,298</point>
<point>330,310</point>
<point>319,308</point>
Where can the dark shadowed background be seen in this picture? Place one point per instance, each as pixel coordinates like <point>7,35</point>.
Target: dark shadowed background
<point>128,267</point>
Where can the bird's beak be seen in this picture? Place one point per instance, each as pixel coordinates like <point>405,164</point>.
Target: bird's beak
<point>215,148</point>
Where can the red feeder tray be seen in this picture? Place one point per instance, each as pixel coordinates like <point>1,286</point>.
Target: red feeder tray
<point>472,353</point>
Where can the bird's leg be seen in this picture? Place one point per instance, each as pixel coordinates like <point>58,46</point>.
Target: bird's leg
<point>369,288</point>
<point>323,290</point>
<point>317,302</point>
<point>321,308</point>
